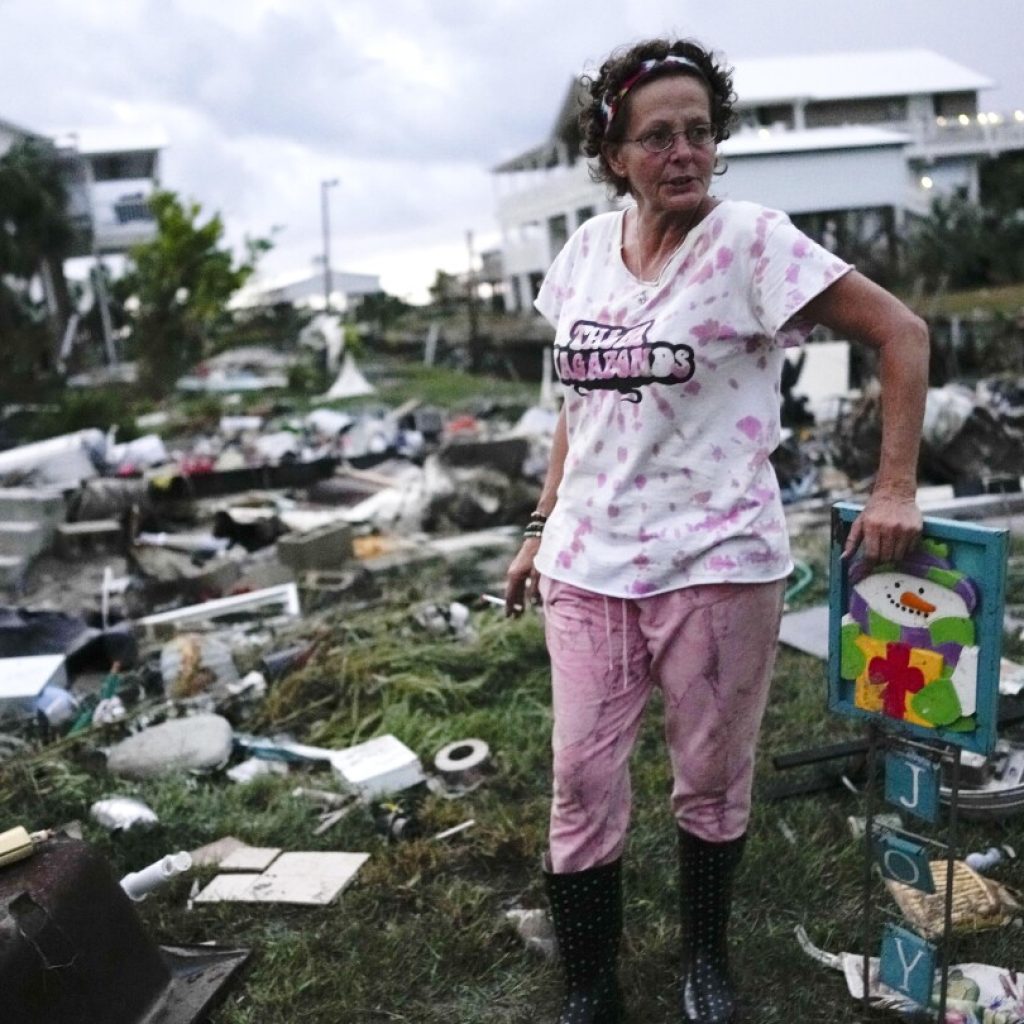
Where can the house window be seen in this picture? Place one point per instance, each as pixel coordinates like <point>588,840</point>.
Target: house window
<point>584,213</point>
<point>558,232</point>
<point>121,166</point>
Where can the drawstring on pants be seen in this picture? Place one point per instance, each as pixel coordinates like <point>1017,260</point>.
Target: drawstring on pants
<point>625,659</point>
<point>608,641</point>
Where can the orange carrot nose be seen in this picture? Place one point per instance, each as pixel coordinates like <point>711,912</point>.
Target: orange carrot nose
<point>916,602</point>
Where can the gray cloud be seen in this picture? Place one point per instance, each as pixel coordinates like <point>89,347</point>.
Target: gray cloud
<point>407,102</point>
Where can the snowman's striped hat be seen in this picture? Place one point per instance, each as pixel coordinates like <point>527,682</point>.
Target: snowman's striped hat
<point>928,561</point>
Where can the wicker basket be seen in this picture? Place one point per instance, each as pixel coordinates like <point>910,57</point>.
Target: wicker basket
<point>978,902</point>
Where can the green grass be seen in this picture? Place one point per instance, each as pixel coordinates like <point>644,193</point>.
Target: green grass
<point>397,380</point>
<point>1007,298</point>
<point>420,937</point>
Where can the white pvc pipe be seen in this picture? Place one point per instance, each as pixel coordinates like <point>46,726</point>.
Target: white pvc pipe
<point>139,884</point>
<point>31,456</point>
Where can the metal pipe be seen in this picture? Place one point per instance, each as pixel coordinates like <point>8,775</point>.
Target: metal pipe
<point>947,927</point>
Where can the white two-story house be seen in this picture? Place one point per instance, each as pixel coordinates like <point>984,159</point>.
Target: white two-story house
<point>848,144</point>
<point>109,176</point>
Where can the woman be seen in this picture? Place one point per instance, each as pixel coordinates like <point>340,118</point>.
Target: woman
<point>659,542</point>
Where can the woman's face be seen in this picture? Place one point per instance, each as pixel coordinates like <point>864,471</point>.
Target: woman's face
<point>678,179</point>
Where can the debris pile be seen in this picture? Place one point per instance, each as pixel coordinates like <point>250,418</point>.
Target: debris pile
<point>973,440</point>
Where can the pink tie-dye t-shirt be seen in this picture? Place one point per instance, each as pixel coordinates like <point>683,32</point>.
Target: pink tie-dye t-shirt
<point>672,402</point>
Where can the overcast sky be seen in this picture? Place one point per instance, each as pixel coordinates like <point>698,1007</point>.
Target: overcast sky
<point>406,102</point>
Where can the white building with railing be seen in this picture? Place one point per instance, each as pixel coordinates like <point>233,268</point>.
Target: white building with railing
<point>110,175</point>
<point>849,144</point>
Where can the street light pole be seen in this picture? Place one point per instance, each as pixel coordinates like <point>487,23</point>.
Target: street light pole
<point>325,219</point>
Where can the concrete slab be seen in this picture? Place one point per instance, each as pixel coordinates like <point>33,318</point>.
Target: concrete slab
<point>28,503</point>
<point>12,569</point>
<point>92,535</point>
<point>22,538</point>
<point>806,630</point>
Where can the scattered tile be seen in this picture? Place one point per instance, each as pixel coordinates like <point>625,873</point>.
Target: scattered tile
<point>311,879</point>
<point>250,858</point>
<point>213,853</point>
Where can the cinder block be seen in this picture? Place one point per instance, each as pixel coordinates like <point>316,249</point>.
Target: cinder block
<point>27,503</point>
<point>504,454</point>
<point>12,569</point>
<point>337,586</point>
<point>75,539</point>
<point>22,539</point>
<point>328,547</point>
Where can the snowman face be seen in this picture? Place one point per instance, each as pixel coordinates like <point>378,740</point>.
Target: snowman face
<point>909,600</point>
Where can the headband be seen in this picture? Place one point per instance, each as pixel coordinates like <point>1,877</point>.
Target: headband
<point>610,104</point>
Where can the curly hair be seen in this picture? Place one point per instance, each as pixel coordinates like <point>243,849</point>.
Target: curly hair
<point>619,67</point>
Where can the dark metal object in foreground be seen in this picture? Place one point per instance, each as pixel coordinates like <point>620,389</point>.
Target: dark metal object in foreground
<point>74,951</point>
<point>234,481</point>
<point>854,752</point>
<point>878,741</point>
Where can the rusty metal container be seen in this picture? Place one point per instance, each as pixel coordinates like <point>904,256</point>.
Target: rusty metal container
<point>74,951</point>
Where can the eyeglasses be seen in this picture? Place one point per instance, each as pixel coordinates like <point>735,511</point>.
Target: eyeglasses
<point>658,140</point>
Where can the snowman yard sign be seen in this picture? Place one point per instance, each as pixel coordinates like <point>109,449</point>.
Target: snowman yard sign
<point>914,649</point>
<point>914,645</point>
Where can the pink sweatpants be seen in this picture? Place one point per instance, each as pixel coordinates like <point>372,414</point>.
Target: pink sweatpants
<point>711,649</point>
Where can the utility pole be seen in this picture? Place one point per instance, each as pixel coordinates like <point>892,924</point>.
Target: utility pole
<point>475,355</point>
<point>325,220</point>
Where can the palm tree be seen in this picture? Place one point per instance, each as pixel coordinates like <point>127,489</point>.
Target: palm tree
<point>36,236</point>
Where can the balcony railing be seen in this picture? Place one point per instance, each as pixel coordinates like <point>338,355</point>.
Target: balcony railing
<point>132,208</point>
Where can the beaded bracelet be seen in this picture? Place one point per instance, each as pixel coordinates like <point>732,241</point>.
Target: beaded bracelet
<point>535,527</point>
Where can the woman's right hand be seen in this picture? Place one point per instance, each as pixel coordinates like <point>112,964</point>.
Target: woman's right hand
<point>522,578</point>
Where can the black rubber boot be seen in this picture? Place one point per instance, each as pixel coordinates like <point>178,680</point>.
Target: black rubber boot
<point>705,874</point>
<point>586,909</point>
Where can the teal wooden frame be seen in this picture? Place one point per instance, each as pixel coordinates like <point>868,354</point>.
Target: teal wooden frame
<point>978,551</point>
